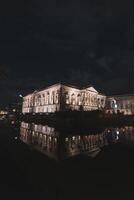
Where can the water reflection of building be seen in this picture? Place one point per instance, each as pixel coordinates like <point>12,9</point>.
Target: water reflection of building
<point>86,144</point>
<point>120,103</point>
<point>59,146</point>
<point>42,138</point>
<point>61,97</point>
<point>122,135</point>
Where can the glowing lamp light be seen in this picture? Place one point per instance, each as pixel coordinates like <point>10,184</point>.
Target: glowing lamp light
<point>115,106</point>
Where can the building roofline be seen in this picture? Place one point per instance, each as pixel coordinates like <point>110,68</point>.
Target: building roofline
<point>49,87</point>
<point>66,85</point>
<point>39,90</point>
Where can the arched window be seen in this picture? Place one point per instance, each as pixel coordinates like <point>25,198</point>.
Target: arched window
<point>82,98</point>
<point>31,101</point>
<point>89,98</point>
<point>43,99</point>
<point>47,99</point>
<point>73,99</point>
<point>92,99</point>
<point>27,102</point>
<point>67,98</point>
<point>57,97</point>
<point>39,100</point>
<point>52,97</point>
<point>98,102</point>
<point>102,102</point>
<point>79,99</point>
<point>86,98</point>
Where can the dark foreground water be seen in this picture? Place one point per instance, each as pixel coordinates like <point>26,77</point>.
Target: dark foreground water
<point>39,162</point>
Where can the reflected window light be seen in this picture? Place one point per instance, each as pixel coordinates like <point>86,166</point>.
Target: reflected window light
<point>117,132</point>
<point>117,138</point>
<point>73,138</point>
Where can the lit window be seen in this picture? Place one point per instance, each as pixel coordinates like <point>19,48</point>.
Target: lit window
<point>73,99</point>
<point>67,98</point>
<point>79,99</point>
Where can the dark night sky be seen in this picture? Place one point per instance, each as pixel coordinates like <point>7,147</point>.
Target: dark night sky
<point>79,42</point>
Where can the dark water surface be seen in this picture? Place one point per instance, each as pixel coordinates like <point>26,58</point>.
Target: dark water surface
<point>39,162</point>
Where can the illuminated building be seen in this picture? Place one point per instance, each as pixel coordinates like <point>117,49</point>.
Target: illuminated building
<point>61,97</point>
<point>3,112</point>
<point>120,104</point>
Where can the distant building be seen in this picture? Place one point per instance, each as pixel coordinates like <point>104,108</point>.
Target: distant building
<point>61,97</point>
<point>3,112</point>
<point>14,108</point>
<point>120,104</point>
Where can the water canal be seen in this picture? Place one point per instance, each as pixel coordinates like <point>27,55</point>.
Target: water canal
<point>40,162</point>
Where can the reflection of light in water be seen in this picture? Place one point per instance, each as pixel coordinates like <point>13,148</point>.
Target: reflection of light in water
<point>73,138</point>
<point>94,152</point>
<point>117,132</point>
<point>117,137</point>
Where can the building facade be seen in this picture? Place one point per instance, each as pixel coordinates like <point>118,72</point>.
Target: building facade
<point>120,104</point>
<point>61,97</point>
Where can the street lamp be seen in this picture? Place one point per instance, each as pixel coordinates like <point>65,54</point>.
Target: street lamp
<point>20,95</point>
